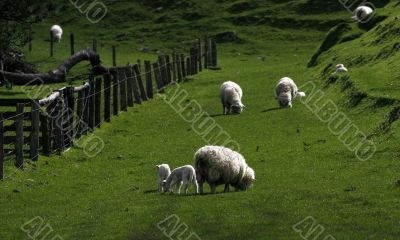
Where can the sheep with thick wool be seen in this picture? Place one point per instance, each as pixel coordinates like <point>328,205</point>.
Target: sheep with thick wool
<point>163,172</point>
<point>57,32</point>
<point>286,90</point>
<point>186,175</point>
<point>231,97</point>
<point>219,165</point>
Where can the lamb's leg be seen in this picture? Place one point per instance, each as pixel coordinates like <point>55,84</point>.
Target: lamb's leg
<point>160,187</point>
<point>178,187</point>
<point>185,186</point>
<point>226,189</point>
<point>201,182</point>
<point>213,188</point>
<point>196,187</point>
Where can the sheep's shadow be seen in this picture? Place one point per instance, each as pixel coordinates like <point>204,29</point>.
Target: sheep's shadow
<point>150,191</point>
<point>189,194</point>
<point>272,109</point>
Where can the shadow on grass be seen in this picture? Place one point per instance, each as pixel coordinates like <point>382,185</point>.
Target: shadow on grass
<point>190,194</point>
<point>272,109</point>
<point>10,93</point>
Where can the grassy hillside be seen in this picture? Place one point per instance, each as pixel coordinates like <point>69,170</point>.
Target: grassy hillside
<point>302,169</point>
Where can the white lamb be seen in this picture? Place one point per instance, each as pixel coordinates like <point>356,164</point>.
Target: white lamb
<point>219,165</point>
<point>286,90</point>
<point>185,174</point>
<point>340,68</point>
<point>231,98</point>
<point>56,32</point>
<point>163,172</point>
<point>363,13</point>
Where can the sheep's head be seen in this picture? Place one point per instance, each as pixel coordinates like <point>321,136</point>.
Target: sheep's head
<point>247,180</point>
<point>237,108</point>
<point>285,99</point>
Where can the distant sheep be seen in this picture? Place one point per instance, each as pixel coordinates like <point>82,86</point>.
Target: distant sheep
<point>163,172</point>
<point>56,32</point>
<point>340,68</point>
<point>362,13</point>
<point>285,91</point>
<point>185,174</point>
<point>231,97</point>
<point>219,165</point>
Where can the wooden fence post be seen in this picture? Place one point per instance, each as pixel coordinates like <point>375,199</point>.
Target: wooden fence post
<point>107,97</point>
<point>157,74</point>
<point>34,144</point>
<point>51,44</point>
<point>130,75</point>
<point>59,136</point>
<point>173,66</point>
<point>72,43</point>
<point>122,88</point>
<point>129,79</point>
<point>199,56</point>
<point>91,103</point>
<point>163,69</point>
<point>80,113</point>
<point>19,139</point>
<point>44,128</point>
<point>86,111</point>
<point>97,101</point>
<point>138,78</point>
<point>149,81</point>
<point>115,92</point>
<point>1,147</point>
<point>178,68</point>
<point>114,57</point>
<point>205,52</point>
<point>214,53</point>
<point>188,67</point>
<point>168,67</point>
<point>70,111</point>
<point>183,67</point>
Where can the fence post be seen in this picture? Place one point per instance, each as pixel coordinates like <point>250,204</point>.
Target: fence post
<point>199,56</point>
<point>70,111</point>
<point>122,88</point>
<point>97,103</point>
<point>135,85</point>
<point>157,74</point>
<point>80,113</point>
<point>51,112</point>
<point>149,81</point>
<point>138,78</point>
<point>129,79</point>
<point>91,103</point>
<point>173,65</point>
<point>34,144</point>
<point>51,44</point>
<point>107,97</point>
<point>214,53</point>
<point>115,92</point>
<point>1,147</point>
<point>206,52</point>
<point>163,70</point>
<point>188,67</point>
<point>168,68</point>
<point>178,68</point>
<point>183,67</point>
<point>72,43</point>
<point>114,57</point>
<point>19,139</point>
<point>86,111</point>
<point>44,128</point>
<point>58,127</point>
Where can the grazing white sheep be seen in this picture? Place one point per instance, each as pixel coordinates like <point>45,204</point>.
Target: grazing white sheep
<point>163,172</point>
<point>286,90</point>
<point>340,68</point>
<point>231,98</point>
<point>185,174</point>
<point>219,165</point>
<point>362,13</point>
<point>56,32</point>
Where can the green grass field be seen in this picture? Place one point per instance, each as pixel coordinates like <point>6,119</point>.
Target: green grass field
<point>302,169</point>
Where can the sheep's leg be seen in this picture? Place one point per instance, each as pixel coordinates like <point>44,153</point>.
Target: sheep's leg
<point>185,186</point>
<point>213,188</point>
<point>178,187</point>
<point>201,182</point>
<point>160,187</point>
<point>226,189</point>
<point>196,187</point>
